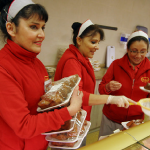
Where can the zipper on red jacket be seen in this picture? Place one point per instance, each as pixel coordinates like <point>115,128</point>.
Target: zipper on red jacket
<point>133,83</point>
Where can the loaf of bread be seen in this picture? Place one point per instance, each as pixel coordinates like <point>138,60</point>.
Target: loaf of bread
<point>58,92</point>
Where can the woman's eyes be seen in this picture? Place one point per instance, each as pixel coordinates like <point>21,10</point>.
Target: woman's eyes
<point>94,42</point>
<point>43,28</point>
<point>35,27</point>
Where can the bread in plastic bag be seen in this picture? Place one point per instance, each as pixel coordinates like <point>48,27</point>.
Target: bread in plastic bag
<point>60,91</point>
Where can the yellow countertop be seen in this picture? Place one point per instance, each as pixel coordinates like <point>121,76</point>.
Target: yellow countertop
<point>121,140</point>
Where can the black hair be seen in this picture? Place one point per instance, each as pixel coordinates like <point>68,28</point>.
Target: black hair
<point>26,13</point>
<point>89,31</point>
<point>138,38</point>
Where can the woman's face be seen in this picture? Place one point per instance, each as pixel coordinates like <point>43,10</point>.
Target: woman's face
<point>137,52</point>
<point>30,34</point>
<point>88,45</point>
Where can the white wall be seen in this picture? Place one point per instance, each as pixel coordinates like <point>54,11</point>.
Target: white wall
<point>123,14</point>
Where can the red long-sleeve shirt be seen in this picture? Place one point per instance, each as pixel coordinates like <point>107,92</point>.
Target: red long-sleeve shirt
<point>72,62</point>
<point>21,86</point>
<point>121,71</point>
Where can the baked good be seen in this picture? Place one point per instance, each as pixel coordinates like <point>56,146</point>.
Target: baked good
<point>63,144</point>
<point>66,126</point>
<point>134,123</point>
<point>73,80</point>
<point>64,90</point>
<point>58,92</point>
<point>129,124</point>
<point>44,103</point>
<point>72,133</point>
<point>83,127</point>
<point>147,86</point>
<point>60,136</point>
<point>50,99</point>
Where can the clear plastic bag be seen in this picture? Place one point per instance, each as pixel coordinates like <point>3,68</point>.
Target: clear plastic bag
<point>59,93</point>
<point>72,135</point>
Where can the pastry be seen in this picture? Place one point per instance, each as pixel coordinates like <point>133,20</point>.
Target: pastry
<point>60,136</point>
<point>64,90</point>
<point>44,104</point>
<point>58,92</point>
<point>66,126</point>
<point>50,99</point>
<point>134,123</point>
<point>147,86</point>
<point>63,144</point>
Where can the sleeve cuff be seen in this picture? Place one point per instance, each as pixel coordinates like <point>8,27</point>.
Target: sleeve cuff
<point>64,114</point>
<point>85,100</point>
<point>106,91</point>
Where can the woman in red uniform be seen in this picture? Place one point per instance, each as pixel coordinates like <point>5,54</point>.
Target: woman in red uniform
<point>22,79</point>
<point>86,38</point>
<point>124,77</point>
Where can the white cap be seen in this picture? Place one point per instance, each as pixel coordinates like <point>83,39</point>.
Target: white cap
<point>138,33</point>
<point>84,25</point>
<point>16,6</point>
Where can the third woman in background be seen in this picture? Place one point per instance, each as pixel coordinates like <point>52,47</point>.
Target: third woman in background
<point>124,77</point>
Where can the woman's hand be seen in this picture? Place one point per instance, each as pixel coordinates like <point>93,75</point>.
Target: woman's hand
<point>75,102</point>
<point>113,86</point>
<point>120,101</point>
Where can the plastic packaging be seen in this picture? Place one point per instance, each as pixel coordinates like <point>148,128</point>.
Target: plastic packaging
<point>75,138</point>
<point>73,145</point>
<point>59,94</point>
<point>72,135</point>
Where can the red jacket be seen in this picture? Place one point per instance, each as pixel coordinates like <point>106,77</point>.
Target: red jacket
<point>120,71</point>
<point>21,86</point>
<point>72,62</point>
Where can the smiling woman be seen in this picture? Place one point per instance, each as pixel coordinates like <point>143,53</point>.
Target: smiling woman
<point>137,47</point>
<point>22,77</point>
<point>86,39</point>
<point>29,34</point>
<point>125,76</point>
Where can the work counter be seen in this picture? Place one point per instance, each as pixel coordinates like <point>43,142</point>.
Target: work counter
<point>124,140</point>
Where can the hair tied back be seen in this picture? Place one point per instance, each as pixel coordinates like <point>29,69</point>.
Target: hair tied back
<point>76,25</point>
<point>3,3</point>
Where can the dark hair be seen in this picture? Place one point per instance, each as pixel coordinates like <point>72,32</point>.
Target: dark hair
<point>138,38</point>
<point>89,31</point>
<point>26,12</point>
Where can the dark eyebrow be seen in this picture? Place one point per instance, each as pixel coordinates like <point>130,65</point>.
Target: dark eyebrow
<point>140,50</point>
<point>36,23</point>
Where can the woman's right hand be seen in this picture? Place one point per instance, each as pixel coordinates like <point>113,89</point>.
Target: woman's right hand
<point>75,102</point>
<point>113,86</point>
<point>120,101</point>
